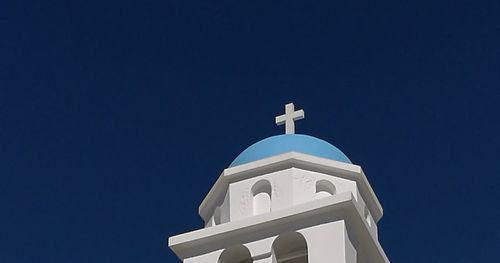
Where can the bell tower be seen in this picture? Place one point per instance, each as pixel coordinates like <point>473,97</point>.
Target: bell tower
<point>289,198</point>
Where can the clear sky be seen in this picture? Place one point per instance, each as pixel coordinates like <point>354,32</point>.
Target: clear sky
<point>116,117</point>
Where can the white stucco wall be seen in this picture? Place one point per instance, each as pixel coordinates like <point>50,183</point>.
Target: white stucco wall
<point>326,243</point>
<point>289,187</point>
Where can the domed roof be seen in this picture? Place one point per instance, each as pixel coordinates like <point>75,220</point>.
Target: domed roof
<point>284,143</point>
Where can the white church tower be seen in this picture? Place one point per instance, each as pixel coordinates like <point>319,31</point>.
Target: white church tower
<point>289,198</point>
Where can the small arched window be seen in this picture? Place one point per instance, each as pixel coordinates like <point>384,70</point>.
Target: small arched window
<point>324,188</point>
<point>261,192</point>
<point>290,248</point>
<point>235,254</point>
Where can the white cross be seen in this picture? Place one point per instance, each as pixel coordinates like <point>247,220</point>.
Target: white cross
<point>289,118</point>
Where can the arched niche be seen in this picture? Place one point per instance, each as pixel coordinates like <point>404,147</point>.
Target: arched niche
<point>261,192</point>
<point>324,188</point>
<point>235,254</point>
<point>290,247</point>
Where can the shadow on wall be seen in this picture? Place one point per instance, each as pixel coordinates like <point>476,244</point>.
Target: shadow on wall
<point>290,247</point>
<point>235,254</point>
<point>324,188</point>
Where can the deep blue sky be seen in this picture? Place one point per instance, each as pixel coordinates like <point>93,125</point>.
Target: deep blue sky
<point>116,117</point>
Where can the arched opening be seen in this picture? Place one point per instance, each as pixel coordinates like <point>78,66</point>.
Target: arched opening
<point>235,254</point>
<point>324,188</point>
<point>290,248</point>
<point>261,192</point>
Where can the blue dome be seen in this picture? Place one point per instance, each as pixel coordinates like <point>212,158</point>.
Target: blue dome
<point>279,144</point>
